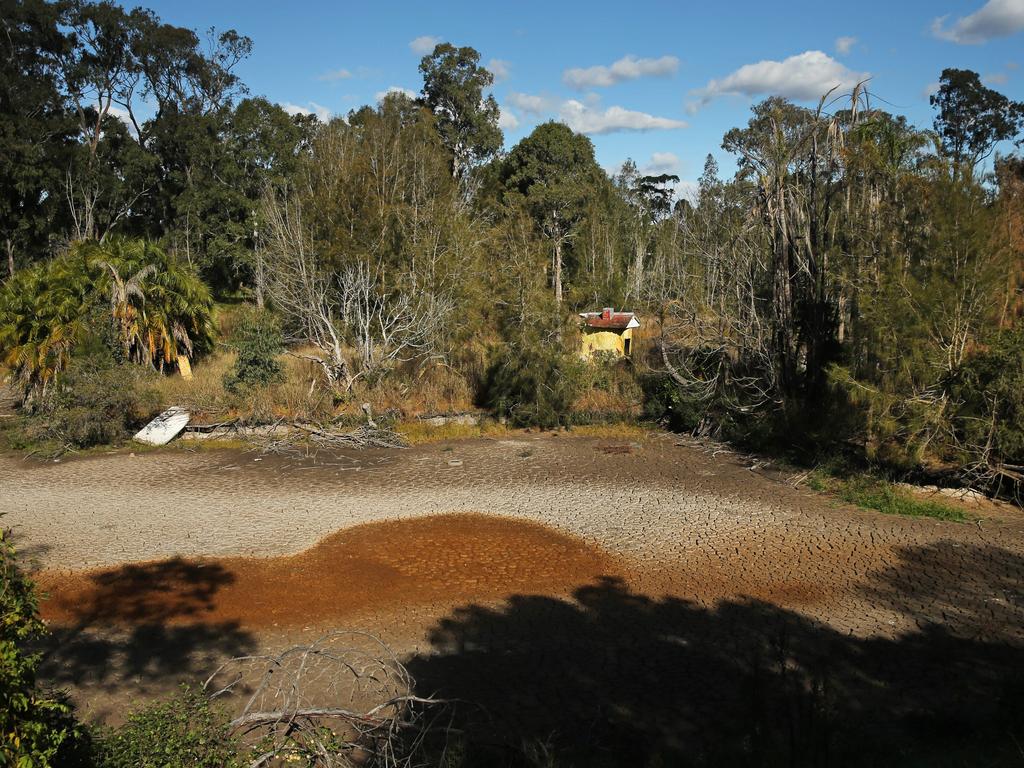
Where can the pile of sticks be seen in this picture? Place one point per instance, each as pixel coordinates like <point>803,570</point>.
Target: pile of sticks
<point>303,437</point>
<point>344,700</point>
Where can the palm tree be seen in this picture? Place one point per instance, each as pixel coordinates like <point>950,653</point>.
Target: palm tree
<point>162,310</point>
<point>42,318</point>
<point>123,312</point>
<point>158,309</point>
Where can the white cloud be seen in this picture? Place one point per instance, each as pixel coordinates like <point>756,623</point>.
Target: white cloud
<point>661,162</point>
<point>424,44</point>
<point>997,78</point>
<point>500,69</point>
<point>122,115</point>
<point>805,77</point>
<point>626,68</point>
<point>530,104</point>
<point>335,75</point>
<point>587,116</point>
<point>931,88</point>
<point>845,44</point>
<point>507,121</point>
<point>379,95</point>
<point>585,119</point>
<point>322,113</point>
<point>997,18</point>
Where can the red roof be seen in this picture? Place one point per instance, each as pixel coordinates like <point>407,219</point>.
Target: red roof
<point>610,319</point>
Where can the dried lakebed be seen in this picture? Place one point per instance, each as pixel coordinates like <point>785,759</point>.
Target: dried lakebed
<point>159,565</point>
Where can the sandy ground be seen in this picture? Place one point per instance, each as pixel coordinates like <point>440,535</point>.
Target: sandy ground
<point>159,565</point>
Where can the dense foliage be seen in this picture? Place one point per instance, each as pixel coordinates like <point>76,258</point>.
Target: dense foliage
<point>36,727</point>
<point>149,307</point>
<point>845,291</point>
<point>258,342</point>
<point>182,731</point>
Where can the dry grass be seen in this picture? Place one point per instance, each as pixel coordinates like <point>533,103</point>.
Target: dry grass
<point>610,404</point>
<point>205,394</point>
<point>436,389</point>
<point>621,431</point>
<point>298,396</point>
<point>421,433</point>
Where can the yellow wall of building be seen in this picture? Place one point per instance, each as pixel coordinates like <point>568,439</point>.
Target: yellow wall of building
<point>604,341</point>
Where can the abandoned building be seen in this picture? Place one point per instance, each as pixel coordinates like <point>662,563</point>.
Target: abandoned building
<point>608,332</point>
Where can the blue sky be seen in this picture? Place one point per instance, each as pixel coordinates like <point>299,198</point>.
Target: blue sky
<point>660,82</point>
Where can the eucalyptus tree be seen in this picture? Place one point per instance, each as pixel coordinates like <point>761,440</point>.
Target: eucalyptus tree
<point>35,133</point>
<point>371,248</point>
<point>453,89</point>
<point>649,198</point>
<point>551,174</point>
<point>971,119</point>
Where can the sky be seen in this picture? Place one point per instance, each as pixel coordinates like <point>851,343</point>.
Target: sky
<point>658,82</point>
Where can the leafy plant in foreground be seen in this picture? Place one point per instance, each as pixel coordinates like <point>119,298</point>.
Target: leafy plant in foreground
<point>36,728</point>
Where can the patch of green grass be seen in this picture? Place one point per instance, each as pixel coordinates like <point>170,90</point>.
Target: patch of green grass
<point>209,444</point>
<point>873,493</point>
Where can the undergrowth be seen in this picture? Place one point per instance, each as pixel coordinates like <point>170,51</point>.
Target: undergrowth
<point>871,492</point>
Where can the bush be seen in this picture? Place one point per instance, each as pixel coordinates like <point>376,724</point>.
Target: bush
<point>184,731</point>
<point>259,341</point>
<point>666,403</point>
<point>97,402</point>
<point>989,390</point>
<point>534,386</point>
<point>36,729</point>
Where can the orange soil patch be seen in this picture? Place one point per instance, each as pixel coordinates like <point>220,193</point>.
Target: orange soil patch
<point>438,559</point>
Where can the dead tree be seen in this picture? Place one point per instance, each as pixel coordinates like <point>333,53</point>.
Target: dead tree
<point>388,327</point>
<point>344,700</point>
<point>300,288</point>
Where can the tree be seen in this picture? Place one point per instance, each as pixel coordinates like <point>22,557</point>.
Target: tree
<point>158,309</point>
<point>973,118</point>
<point>453,89</point>
<point>551,173</point>
<point>161,308</point>
<point>36,728</point>
<point>650,201</point>
<point>34,131</point>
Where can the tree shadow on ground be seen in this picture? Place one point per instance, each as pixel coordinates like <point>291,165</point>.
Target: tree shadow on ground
<point>619,678</point>
<point>138,630</point>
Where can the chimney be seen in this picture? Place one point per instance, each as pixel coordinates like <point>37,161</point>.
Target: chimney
<point>606,314</point>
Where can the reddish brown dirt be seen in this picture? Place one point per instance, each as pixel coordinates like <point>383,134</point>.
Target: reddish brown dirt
<point>379,566</point>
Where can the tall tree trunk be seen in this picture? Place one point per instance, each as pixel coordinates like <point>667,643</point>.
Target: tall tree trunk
<point>639,251</point>
<point>10,257</point>
<point>557,271</point>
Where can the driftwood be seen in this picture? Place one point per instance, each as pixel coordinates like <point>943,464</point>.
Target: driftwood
<point>344,700</point>
<point>298,438</point>
<point>304,438</point>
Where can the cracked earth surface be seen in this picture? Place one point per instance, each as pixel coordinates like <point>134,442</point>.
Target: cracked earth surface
<point>259,553</point>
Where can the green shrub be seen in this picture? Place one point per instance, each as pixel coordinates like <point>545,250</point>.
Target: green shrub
<point>37,729</point>
<point>97,402</point>
<point>989,391</point>
<point>259,341</point>
<point>184,731</point>
<point>533,386</point>
<point>666,403</point>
